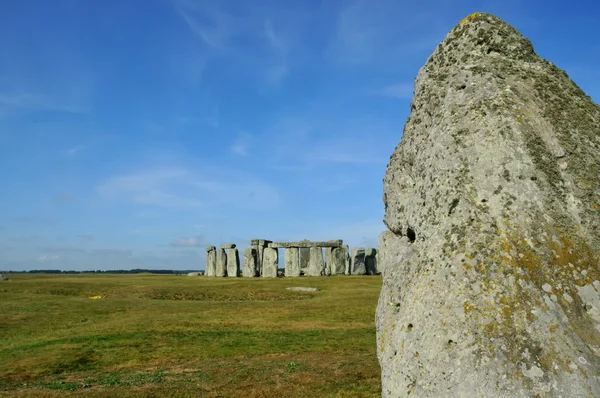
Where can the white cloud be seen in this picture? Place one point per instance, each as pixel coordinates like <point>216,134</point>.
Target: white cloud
<point>34,101</point>
<point>241,145</point>
<point>196,185</point>
<point>189,242</point>
<point>47,258</point>
<point>399,90</point>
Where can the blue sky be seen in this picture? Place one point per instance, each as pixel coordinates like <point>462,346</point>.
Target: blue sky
<point>134,133</point>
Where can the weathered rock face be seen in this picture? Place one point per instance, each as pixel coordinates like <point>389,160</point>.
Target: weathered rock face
<point>292,266</point>
<point>316,265</point>
<point>211,261</point>
<point>371,261</point>
<point>358,261</point>
<point>233,263</point>
<point>304,259</point>
<point>270,262</point>
<point>221,269</point>
<point>339,256</point>
<point>491,262</point>
<point>249,263</point>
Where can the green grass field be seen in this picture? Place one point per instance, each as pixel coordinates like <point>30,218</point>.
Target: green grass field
<point>179,336</point>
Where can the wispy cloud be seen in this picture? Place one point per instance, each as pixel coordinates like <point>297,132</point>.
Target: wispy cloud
<point>201,186</point>
<point>34,101</point>
<point>197,241</point>
<point>241,145</point>
<point>74,150</point>
<point>399,90</point>
<point>47,258</point>
<point>207,21</point>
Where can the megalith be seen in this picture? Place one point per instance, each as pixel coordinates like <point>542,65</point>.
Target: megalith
<point>358,266</point>
<point>491,256</point>
<point>270,262</point>
<point>221,269</point>
<point>339,257</point>
<point>292,266</point>
<point>249,263</point>
<point>316,265</point>
<point>371,261</point>
<point>328,260</point>
<point>211,261</point>
<point>304,260</point>
<point>233,263</point>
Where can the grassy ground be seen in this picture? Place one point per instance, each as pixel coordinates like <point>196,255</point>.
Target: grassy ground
<point>179,336</point>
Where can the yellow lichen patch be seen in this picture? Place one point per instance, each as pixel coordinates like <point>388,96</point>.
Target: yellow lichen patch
<point>468,307</point>
<point>469,18</point>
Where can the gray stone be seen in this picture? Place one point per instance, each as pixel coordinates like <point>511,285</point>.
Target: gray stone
<point>304,260</point>
<point>292,266</point>
<point>270,262</point>
<point>3,278</point>
<point>358,266</point>
<point>249,263</point>
<point>328,260</point>
<point>221,269</point>
<point>233,263</point>
<point>303,289</point>
<point>211,261</point>
<point>490,262</point>
<point>228,246</point>
<point>339,258</point>
<point>194,274</point>
<point>371,261</point>
<point>347,263</point>
<point>259,245</point>
<point>316,265</point>
<point>306,243</point>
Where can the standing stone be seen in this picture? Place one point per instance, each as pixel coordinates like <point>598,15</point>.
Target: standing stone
<point>221,269</point>
<point>339,256</point>
<point>211,261</point>
<point>304,260</point>
<point>491,274</point>
<point>249,263</point>
<point>259,245</point>
<point>358,261</point>
<point>347,262</point>
<point>270,262</point>
<point>371,261</point>
<point>233,263</point>
<point>328,261</point>
<point>292,266</point>
<point>316,265</point>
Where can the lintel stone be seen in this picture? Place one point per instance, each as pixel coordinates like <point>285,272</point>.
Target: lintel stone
<point>306,243</point>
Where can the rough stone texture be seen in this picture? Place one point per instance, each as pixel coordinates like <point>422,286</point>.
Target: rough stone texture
<point>221,269</point>
<point>270,262</point>
<point>348,262</point>
<point>249,263</point>
<point>259,245</point>
<point>292,266</point>
<point>339,257</point>
<point>358,266</point>
<point>189,274</point>
<point>3,278</point>
<point>371,261</point>
<point>328,260</point>
<point>228,246</point>
<point>303,289</point>
<point>211,261</point>
<point>491,262</point>
<point>304,260</point>
<point>306,243</point>
<point>233,263</point>
<point>316,265</point>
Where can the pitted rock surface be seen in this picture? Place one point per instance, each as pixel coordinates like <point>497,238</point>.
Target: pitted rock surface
<point>491,261</point>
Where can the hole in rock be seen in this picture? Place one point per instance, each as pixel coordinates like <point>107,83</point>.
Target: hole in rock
<point>453,205</point>
<point>483,200</point>
<point>409,327</point>
<point>410,234</point>
<point>462,87</point>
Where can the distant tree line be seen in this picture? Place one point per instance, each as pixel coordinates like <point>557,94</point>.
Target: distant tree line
<point>111,271</point>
